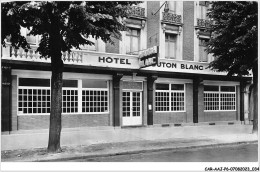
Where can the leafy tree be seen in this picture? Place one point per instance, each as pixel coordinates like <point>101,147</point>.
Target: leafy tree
<point>62,26</point>
<point>234,42</point>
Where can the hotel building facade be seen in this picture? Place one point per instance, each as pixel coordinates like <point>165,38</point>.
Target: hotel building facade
<point>104,84</point>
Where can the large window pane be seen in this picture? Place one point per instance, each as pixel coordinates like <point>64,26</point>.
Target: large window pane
<point>223,99</point>
<point>167,100</point>
<point>211,88</point>
<point>177,86</point>
<point>34,82</point>
<point>211,101</point>
<point>132,85</point>
<point>33,100</point>
<point>70,101</point>
<point>162,101</point>
<point>162,86</point>
<point>91,83</point>
<point>227,101</point>
<point>228,88</point>
<point>70,83</point>
<point>94,101</point>
<point>177,101</point>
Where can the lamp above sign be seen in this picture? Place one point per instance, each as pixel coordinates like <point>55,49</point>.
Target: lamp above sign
<point>149,57</point>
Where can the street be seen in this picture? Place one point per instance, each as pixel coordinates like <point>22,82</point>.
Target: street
<point>230,153</point>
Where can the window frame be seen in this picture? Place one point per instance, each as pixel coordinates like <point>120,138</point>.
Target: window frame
<point>131,35</point>
<point>70,101</point>
<point>79,89</point>
<point>203,9</point>
<point>32,87</point>
<point>96,89</point>
<point>168,40</point>
<point>170,92</point>
<point>219,93</point>
<point>203,46</point>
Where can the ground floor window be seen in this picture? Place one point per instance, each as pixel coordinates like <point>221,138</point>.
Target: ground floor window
<point>169,97</point>
<point>78,96</point>
<point>34,96</point>
<point>218,98</point>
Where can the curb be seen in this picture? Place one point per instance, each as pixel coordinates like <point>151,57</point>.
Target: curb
<point>145,151</point>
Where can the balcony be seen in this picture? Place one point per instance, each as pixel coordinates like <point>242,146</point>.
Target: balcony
<point>202,23</point>
<point>11,53</point>
<point>75,57</point>
<point>137,12</point>
<point>171,18</point>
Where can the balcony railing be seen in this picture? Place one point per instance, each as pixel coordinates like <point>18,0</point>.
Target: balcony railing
<point>172,18</point>
<point>75,57</point>
<point>204,23</point>
<point>11,53</point>
<point>137,12</point>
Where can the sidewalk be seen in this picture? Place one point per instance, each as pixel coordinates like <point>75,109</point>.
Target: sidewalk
<point>107,141</point>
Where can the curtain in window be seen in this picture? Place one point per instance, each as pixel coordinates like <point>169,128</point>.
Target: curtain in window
<point>132,41</point>
<point>170,46</point>
<point>202,53</point>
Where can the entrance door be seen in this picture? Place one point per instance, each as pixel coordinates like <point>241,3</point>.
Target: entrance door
<point>132,108</point>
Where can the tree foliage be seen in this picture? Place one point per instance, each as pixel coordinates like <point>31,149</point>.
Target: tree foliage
<point>235,43</point>
<point>76,20</point>
<point>63,25</point>
<point>235,33</point>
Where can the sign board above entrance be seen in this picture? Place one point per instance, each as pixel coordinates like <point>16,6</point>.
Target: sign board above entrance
<point>149,57</point>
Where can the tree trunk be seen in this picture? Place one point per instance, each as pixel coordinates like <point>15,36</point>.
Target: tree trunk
<point>55,116</point>
<point>255,97</point>
<point>56,87</point>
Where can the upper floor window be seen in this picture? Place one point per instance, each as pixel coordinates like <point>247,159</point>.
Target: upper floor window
<point>170,46</point>
<point>204,6</point>
<point>202,46</point>
<point>172,6</point>
<point>132,41</point>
